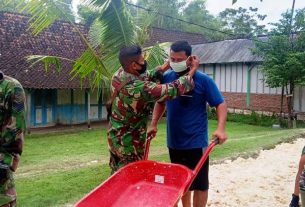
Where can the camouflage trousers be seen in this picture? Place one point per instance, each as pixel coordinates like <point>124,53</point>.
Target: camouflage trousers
<point>7,189</point>
<point>119,161</point>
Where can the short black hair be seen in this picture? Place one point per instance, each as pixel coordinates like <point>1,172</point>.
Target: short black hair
<point>129,54</point>
<point>182,46</point>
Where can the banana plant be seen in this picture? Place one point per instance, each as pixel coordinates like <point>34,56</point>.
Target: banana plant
<point>112,29</point>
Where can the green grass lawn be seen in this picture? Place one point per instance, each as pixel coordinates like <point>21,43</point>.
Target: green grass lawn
<point>57,169</point>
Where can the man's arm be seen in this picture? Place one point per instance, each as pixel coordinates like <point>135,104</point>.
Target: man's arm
<point>220,132</point>
<point>14,128</point>
<point>158,112</point>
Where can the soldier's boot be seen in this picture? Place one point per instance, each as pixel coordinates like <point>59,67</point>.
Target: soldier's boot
<point>294,201</point>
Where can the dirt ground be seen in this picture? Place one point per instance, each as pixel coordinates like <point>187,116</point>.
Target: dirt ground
<point>267,180</point>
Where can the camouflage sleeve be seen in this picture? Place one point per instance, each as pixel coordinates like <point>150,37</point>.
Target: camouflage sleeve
<point>154,75</point>
<point>152,92</point>
<point>14,126</point>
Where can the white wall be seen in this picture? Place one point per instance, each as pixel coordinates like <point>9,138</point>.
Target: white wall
<point>233,78</point>
<point>299,99</point>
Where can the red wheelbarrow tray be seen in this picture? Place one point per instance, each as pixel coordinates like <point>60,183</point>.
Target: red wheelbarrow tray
<point>144,183</point>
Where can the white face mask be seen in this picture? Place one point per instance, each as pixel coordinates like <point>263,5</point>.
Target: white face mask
<point>178,67</point>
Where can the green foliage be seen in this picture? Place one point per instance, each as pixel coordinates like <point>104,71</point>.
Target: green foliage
<point>284,56</point>
<point>113,29</point>
<point>87,14</point>
<point>283,26</point>
<point>59,188</point>
<point>197,13</point>
<point>252,119</point>
<point>169,7</point>
<point>45,12</point>
<point>11,5</point>
<point>230,23</point>
<point>48,61</point>
<point>155,55</point>
<point>243,22</point>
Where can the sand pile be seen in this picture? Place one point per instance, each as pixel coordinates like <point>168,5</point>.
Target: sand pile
<point>267,180</point>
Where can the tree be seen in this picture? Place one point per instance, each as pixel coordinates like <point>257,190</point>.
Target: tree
<point>196,12</point>
<point>284,56</point>
<point>87,14</point>
<point>243,22</point>
<point>170,7</point>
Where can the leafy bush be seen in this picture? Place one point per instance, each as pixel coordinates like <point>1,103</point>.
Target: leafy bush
<point>253,118</point>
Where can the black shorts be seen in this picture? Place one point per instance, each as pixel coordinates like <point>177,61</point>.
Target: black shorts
<point>190,158</point>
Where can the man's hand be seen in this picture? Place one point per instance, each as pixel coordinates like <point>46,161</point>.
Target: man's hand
<point>193,62</point>
<point>165,66</point>
<point>152,132</point>
<point>221,135</point>
<point>15,162</point>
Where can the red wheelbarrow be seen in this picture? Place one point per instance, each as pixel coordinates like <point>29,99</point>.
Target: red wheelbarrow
<point>144,184</point>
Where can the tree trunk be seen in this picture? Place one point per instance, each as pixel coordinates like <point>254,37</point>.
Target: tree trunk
<point>282,103</point>
<point>290,105</point>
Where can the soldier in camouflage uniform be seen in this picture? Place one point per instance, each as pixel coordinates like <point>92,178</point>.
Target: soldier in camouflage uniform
<point>133,104</point>
<point>12,120</point>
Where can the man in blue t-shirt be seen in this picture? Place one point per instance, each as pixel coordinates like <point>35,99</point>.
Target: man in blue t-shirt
<point>187,122</point>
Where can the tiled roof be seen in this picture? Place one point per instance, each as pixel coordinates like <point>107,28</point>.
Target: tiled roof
<point>16,42</point>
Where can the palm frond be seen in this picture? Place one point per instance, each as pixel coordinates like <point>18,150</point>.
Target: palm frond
<point>156,54</point>
<point>48,61</point>
<point>111,31</point>
<point>143,22</point>
<point>89,65</point>
<point>43,13</point>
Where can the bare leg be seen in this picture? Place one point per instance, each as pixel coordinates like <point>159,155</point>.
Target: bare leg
<point>186,199</point>
<point>200,198</point>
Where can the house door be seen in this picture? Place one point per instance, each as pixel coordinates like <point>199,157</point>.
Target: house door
<point>43,107</point>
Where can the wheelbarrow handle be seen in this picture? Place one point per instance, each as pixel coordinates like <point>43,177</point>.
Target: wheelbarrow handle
<point>147,145</point>
<point>204,157</point>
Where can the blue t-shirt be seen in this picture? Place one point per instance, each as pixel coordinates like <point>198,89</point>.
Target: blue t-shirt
<point>187,123</point>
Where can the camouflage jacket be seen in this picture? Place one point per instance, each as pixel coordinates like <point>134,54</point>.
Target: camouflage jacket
<point>12,120</point>
<point>132,106</point>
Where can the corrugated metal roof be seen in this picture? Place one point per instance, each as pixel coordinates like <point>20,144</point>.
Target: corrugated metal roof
<point>227,51</point>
